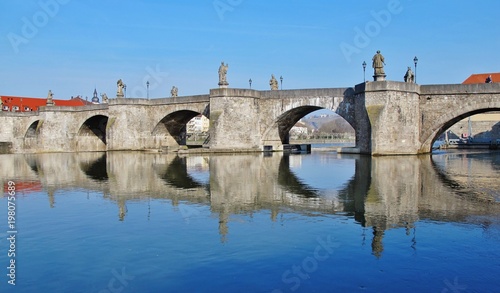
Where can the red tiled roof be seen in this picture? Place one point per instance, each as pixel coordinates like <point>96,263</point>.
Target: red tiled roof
<point>481,78</point>
<point>25,104</point>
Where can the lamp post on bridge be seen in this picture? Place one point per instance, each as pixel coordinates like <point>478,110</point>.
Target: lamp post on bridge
<point>281,80</point>
<point>125,89</point>
<point>364,71</point>
<point>415,60</point>
<point>147,91</point>
<point>250,82</point>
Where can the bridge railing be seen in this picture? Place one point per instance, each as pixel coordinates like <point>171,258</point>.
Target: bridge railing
<point>160,101</point>
<point>449,89</point>
<point>319,92</point>
<point>74,109</point>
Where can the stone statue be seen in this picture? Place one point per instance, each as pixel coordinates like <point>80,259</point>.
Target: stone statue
<point>121,86</point>
<point>409,76</point>
<point>174,91</point>
<point>222,74</point>
<point>378,66</point>
<point>104,98</point>
<point>50,97</point>
<point>273,83</point>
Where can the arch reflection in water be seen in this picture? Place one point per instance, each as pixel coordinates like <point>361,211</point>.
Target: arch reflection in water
<point>96,169</point>
<point>176,174</point>
<point>383,192</point>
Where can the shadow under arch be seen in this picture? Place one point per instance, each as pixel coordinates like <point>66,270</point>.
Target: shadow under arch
<point>33,130</point>
<point>493,133</point>
<point>288,119</point>
<point>94,126</point>
<point>32,137</point>
<point>174,124</point>
<point>176,175</point>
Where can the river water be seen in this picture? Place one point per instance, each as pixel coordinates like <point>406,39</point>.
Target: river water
<point>265,222</point>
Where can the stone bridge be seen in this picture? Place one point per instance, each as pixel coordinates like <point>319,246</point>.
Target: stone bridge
<point>388,117</point>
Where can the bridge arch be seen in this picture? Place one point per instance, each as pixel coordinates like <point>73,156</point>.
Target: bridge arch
<point>34,129</point>
<point>173,127</point>
<point>32,135</point>
<point>285,108</point>
<point>91,135</point>
<point>287,120</point>
<point>443,122</point>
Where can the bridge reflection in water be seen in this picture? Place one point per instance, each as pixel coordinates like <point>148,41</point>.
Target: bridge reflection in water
<point>380,192</point>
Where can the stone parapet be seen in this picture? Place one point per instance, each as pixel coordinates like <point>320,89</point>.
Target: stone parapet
<point>95,107</point>
<point>387,85</point>
<point>161,101</point>
<point>460,89</point>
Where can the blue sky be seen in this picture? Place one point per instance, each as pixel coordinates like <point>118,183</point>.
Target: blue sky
<point>72,46</point>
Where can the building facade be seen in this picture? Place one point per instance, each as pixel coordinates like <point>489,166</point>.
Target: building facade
<point>27,104</point>
<point>199,124</point>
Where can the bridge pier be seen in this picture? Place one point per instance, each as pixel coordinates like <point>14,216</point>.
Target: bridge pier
<point>235,120</point>
<point>388,119</point>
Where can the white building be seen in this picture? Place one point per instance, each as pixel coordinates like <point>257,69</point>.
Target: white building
<point>299,128</point>
<point>198,124</point>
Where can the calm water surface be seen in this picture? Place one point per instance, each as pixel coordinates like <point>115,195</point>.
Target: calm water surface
<point>320,222</point>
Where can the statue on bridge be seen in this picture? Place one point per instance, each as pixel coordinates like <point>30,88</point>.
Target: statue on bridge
<point>50,97</point>
<point>174,91</point>
<point>121,86</point>
<point>104,98</point>
<point>222,74</point>
<point>378,66</point>
<point>409,76</point>
<point>273,83</point>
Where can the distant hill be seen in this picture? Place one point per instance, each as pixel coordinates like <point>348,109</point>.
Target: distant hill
<point>328,123</point>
